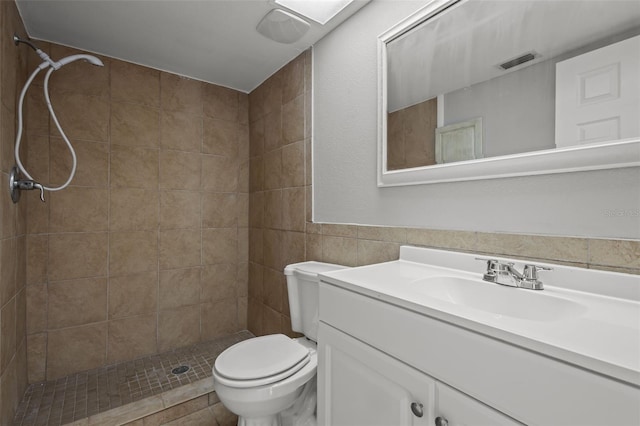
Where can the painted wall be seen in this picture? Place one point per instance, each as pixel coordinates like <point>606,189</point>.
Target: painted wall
<point>590,204</point>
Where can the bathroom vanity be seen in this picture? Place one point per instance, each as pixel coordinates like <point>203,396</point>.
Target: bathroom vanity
<point>425,341</point>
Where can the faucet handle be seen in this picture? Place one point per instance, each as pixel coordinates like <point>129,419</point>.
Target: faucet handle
<point>531,271</point>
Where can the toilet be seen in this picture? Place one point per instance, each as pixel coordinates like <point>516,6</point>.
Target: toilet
<point>271,380</point>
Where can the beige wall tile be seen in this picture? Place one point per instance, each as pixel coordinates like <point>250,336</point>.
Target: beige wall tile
<point>222,103</point>
<point>377,233</point>
<point>132,251</point>
<point>254,317</point>
<point>81,116</point>
<point>219,318</point>
<point>218,282</point>
<point>273,130</point>
<point>219,245</point>
<point>8,264</point>
<point>133,209</point>
<point>313,247</point>
<point>272,289</point>
<point>131,338</point>
<point>76,302</point>
<point>256,247</point>
<point>178,327</point>
<point>338,230</point>
<point>619,253</point>
<point>256,138</point>
<point>243,176</point>
<point>377,251</point>
<point>134,125</point>
<point>256,281</point>
<point>37,115</point>
<point>37,253</point>
<point>242,284</point>
<point>272,321</point>
<point>134,167</point>
<point>76,349</point>
<point>272,249</point>
<point>256,209</point>
<point>36,308</point>
<point>179,209</point>
<point>181,94</point>
<point>181,131</point>
<point>134,83</point>
<point>293,247</point>
<point>461,240</point>
<point>293,165</point>
<point>293,79</point>
<point>36,357</point>
<point>242,210</point>
<point>219,174</point>
<point>293,209</point>
<point>77,76</point>
<point>38,152</point>
<point>219,210</point>
<point>92,167</point>
<point>179,287</point>
<point>78,210</point>
<point>77,255</point>
<point>293,120</point>
<point>7,333</point>
<point>180,248</point>
<point>256,174</point>
<point>243,245</point>
<point>273,169</point>
<point>532,246</point>
<point>131,295</point>
<point>179,170</point>
<point>221,137</point>
<point>273,209</point>
<point>340,250</point>
<point>8,213</point>
<point>37,211</point>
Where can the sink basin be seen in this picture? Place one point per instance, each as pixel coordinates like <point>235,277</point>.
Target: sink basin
<point>497,299</point>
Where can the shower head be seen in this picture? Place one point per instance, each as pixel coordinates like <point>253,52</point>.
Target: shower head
<point>91,59</point>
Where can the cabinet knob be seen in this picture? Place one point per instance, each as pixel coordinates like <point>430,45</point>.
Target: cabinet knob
<point>417,409</point>
<point>441,421</point>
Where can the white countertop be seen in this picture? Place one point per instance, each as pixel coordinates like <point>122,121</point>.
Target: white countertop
<point>603,336</point>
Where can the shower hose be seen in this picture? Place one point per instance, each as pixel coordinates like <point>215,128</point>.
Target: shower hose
<point>55,120</point>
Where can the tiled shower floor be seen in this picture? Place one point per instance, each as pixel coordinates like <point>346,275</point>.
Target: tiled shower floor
<point>87,393</point>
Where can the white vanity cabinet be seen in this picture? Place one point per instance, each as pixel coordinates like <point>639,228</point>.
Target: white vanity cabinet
<point>380,355</point>
<point>364,386</point>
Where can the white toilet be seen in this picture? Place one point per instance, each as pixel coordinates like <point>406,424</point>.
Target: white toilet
<point>271,380</point>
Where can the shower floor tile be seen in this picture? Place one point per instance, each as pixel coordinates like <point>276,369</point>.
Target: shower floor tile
<point>80,395</point>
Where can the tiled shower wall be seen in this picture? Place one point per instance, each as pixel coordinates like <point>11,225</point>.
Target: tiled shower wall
<point>147,249</point>
<point>281,230</point>
<point>13,358</point>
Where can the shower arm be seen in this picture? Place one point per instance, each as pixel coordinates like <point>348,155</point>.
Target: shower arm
<point>17,40</point>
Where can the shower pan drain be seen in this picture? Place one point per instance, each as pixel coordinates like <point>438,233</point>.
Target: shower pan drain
<point>180,370</point>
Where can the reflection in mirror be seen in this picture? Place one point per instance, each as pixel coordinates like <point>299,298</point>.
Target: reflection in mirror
<point>535,75</point>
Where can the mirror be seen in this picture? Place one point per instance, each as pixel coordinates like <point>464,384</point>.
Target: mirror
<point>476,89</point>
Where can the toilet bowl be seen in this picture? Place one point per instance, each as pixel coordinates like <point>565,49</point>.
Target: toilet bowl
<point>271,380</point>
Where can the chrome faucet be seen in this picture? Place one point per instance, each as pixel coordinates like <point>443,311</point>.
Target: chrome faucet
<point>504,273</point>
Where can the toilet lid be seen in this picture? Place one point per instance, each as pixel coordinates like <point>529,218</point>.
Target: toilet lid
<point>261,360</point>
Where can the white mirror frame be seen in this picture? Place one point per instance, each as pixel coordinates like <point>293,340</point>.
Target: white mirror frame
<point>611,155</point>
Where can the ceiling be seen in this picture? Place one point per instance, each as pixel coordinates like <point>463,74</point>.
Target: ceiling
<point>209,40</point>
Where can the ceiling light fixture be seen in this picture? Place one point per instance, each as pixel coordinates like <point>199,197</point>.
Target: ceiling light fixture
<point>282,26</point>
<point>320,11</point>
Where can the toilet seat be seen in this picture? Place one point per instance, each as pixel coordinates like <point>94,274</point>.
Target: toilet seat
<point>280,357</point>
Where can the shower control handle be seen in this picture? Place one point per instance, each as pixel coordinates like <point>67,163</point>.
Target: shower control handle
<point>23,184</point>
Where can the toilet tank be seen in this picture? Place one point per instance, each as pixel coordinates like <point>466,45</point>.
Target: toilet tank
<point>302,286</point>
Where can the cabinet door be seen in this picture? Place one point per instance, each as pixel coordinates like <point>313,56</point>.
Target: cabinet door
<point>359,385</point>
<point>458,409</point>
